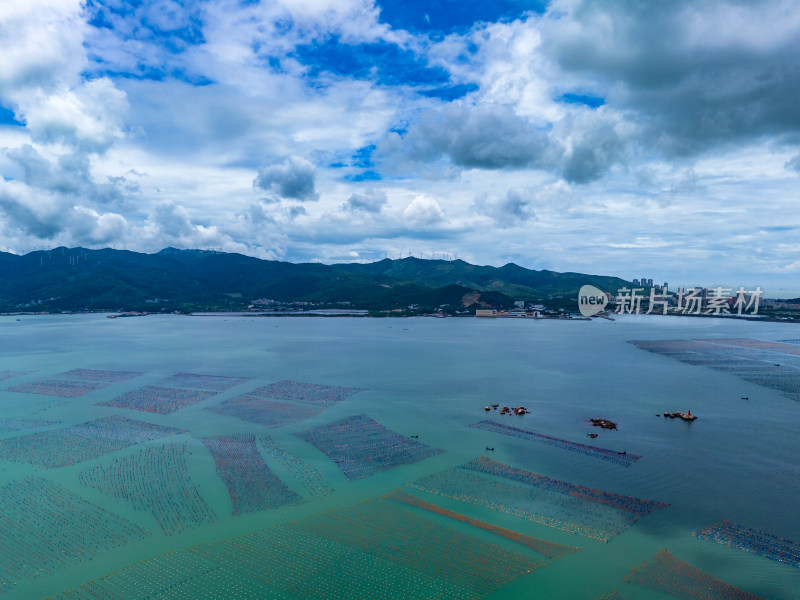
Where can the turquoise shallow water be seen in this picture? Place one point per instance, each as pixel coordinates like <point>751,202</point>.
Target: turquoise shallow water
<point>432,378</point>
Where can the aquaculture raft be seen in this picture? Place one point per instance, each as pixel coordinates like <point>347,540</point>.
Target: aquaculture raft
<point>375,549</point>
<point>621,458</point>
<point>71,445</point>
<point>63,388</point>
<point>160,400</point>
<point>211,383</point>
<point>44,527</point>
<point>264,412</point>
<point>668,574</point>
<point>308,393</point>
<point>361,446</point>
<point>774,365</point>
<point>100,375</point>
<point>156,480</point>
<point>251,484</point>
<point>567,506</point>
<point>4,374</point>
<point>754,541</point>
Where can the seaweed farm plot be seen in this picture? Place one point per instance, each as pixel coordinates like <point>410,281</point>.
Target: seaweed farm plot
<point>551,550</point>
<point>621,458</point>
<point>62,388</point>
<point>360,446</point>
<point>100,375</point>
<point>374,549</point>
<point>670,575</point>
<point>269,414</point>
<point>7,425</point>
<point>310,478</point>
<point>754,541</point>
<point>11,374</point>
<point>308,393</point>
<point>78,443</point>
<point>44,527</point>
<point>156,480</point>
<point>211,383</point>
<point>159,400</point>
<point>773,365</point>
<point>251,484</point>
<point>567,506</point>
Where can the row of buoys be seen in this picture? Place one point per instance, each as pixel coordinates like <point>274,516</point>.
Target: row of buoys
<point>7,425</point>
<point>551,550</point>
<point>636,506</point>
<point>251,484</point>
<point>100,375</point>
<point>624,459</point>
<point>156,399</point>
<point>361,446</point>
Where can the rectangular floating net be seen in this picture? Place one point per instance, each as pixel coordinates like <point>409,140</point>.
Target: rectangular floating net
<point>251,484</point>
<point>62,388</point>
<point>11,374</point>
<point>78,443</point>
<point>308,393</point>
<point>269,414</point>
<point>578,509</point>
<point>375,549</point>
<point>155,480</point>
<point>156,399</point>
<point>773,365</point>
<point>551,550</point>
<point>754,541</point>
<point>211,383</point>
<point>310,478</point>
<point>360,446</point>
<point>7,425</point>
<point>621,458</point>
<point>670,575</point>
<point>99,375</point>
<point>44,528</point>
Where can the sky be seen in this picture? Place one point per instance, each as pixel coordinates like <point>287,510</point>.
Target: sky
<point>636,139</point>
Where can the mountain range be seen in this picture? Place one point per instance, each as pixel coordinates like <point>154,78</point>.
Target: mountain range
<point>172,279</point>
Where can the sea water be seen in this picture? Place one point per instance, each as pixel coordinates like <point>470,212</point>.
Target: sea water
<point>432,378</point>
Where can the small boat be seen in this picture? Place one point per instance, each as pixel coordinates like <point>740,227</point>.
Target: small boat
<point>592,435</point>
<point>486,408</point>
<point>488,448</point>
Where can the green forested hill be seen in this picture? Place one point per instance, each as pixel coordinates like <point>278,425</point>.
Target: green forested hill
<point>77,278</point>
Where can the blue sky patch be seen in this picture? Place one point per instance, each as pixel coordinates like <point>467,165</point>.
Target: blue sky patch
<point>368,175</point>
<point>7,117</point>
<point>440,17</point>
<point>585,99</point>
<point>381,62</point>
<point>450,92</point>
<point>142,20</point>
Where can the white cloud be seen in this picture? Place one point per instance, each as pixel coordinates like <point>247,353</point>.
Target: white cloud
<point>423,211</point>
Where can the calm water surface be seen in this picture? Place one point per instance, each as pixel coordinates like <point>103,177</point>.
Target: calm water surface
<point>432,378</point>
